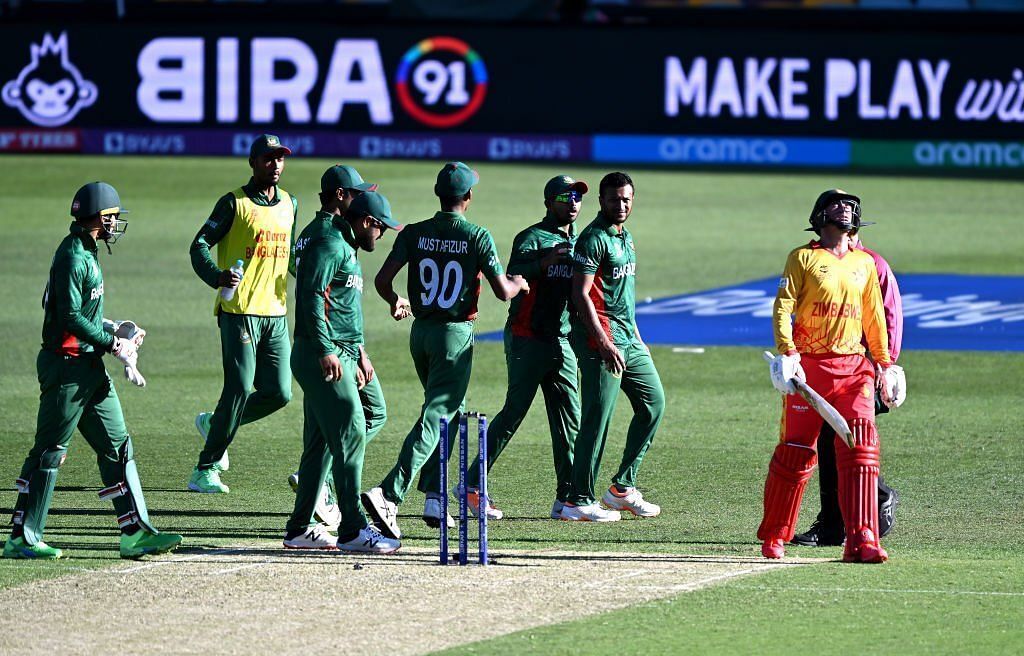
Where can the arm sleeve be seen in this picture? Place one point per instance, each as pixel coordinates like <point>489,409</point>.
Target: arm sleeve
<point>295,222</point>
<point>525,259</point>
<point>319,263</point>
<point>209,234</point>
<point>588,255</point>
<point>892,305</point>
<point>874,320</point>
<point>68,276</point>
<point>785,303</point>
<point>487,253</point>
<point>400,249</point>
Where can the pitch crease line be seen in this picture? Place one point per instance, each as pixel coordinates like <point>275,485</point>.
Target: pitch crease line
<point>218,552</point>
<point>627,575</point>
<point>229,570</point>
<point>696,585</point>
<point>982,593</point>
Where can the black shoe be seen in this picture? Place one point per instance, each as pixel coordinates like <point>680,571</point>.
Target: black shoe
<point>887,513</point>
<point>820,535</point>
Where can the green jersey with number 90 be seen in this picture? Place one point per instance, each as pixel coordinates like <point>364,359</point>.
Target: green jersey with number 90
<point>446,255</point>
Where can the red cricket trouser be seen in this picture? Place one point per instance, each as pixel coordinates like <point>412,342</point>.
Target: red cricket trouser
<point>847,382</point>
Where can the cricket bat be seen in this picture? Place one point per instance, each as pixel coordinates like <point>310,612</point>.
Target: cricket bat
<point>822,407</point>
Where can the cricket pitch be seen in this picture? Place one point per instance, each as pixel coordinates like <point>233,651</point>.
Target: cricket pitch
<point>258,600</point>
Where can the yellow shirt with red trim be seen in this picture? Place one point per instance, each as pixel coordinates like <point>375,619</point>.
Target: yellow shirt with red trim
<point>836,301</point>
<point>260,236</point>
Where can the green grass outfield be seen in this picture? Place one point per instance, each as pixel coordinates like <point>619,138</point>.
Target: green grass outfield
<point>955,581</point>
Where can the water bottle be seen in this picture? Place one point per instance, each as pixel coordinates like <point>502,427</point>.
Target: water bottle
<point>228,293</point>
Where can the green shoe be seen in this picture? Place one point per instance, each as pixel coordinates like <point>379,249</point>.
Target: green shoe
<point>17,548</point>
<point>142,543</point>
<point>203,426</point>
<point>207,481</point>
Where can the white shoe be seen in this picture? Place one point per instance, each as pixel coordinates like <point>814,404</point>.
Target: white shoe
<point>326,512</point>
<point>632,501</point>
<point>203,426</point>
<point>383,512</point>
<point>556,509</point>
<point>370,540</point>
<point>314,537</point>
<point>432,513</point>
<point>473,501</point>
<point>591,512</point>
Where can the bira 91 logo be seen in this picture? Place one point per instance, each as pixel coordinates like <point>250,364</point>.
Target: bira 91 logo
<point>50,90</point>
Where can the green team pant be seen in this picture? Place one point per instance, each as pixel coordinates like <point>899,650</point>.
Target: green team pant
<point>255,352</point>
<point>77,392</point>
<point>336,428</point>
<point>372,398</point>
<point>443,356</point>
<point>599,390</point>
<point>551,366</point>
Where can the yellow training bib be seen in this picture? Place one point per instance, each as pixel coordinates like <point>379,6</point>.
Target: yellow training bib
<point>260,236</point>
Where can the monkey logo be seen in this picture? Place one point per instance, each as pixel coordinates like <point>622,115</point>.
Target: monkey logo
<point>49,91</point>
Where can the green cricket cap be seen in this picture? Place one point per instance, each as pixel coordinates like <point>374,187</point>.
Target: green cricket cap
<point>340,176</point>
<point>96,198</point>
<point>376,205</point>
<point>561,184</point>
<point>455,179</point>
<point>267,143</point>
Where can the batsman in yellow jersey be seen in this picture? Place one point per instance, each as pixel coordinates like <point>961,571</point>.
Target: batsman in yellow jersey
<point>255,224</point>
<point>828,300</point>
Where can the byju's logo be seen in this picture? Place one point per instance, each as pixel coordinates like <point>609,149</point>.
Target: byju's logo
<point>49,91</point>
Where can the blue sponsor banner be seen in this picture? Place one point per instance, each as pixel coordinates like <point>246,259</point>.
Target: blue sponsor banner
<point>721,150</point>
<point>940,312</point>
<point>390,145</point>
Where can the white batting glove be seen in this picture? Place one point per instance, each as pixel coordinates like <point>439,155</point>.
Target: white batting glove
<point>131,331</point>
<point>892,382</point>
<point>134,376</point>
<point>783,369</point>
<point>125,329</point>
<point>126,351</point>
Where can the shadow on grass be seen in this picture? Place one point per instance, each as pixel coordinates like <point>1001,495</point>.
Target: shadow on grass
<point>92,488</point>
<point>99,512</point>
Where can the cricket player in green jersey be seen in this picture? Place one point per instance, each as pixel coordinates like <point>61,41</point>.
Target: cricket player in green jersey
<point>537,349</point>
<point>446,255</point>
<point>75,390</point>
<point>612,356</point>
<point>255,224</point>
<point>330,364</point>
<point>339,186</point>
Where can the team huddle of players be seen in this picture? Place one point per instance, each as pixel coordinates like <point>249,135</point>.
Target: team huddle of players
<point>571,333</point>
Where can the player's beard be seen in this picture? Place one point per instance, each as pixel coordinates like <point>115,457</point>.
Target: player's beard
<point>367,242</point>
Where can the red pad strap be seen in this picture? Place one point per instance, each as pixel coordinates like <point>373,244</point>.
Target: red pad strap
<point>128,519</point>
<point>790,469</point>
<point>114,491</point>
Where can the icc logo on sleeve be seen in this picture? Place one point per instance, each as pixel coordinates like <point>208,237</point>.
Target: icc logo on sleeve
<point>50,90</point>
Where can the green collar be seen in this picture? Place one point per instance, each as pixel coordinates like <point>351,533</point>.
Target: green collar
<point>549,223</point>
<point>320,214</point>
<point>609,227</point>
<point>345,228</point>
<point>258,196</point>
<point>450,216</point>
<point>87,240</point>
